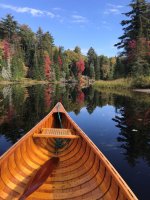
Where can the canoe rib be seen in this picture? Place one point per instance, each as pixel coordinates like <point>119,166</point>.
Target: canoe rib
<point>83,171</point>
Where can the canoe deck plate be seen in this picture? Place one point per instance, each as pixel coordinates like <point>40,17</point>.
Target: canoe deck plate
<point>56,133</point>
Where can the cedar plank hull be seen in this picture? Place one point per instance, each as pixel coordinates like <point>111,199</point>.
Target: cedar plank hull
<point>83,171</point>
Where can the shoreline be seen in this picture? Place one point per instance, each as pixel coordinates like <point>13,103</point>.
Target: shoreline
<point>25,82</point>
<point>142,90</point>
<point>36,82</point>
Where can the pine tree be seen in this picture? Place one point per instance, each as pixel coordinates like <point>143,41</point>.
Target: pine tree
<point>92,61</point>
<point>91,55</point>
<point>92,72</point>
<point>104,67</point>
<point>77,50</point>
<point>48,43</point>
<point>17,63</point>
<point>57,72</point>
<point>135,38</point>
<point>8,27</point>
<point>97,69</point>
<point>119,68</point>
<point>27,43</point>
<point>38,66</point>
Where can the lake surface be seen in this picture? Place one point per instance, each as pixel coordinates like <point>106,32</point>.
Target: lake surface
<point>117,122</point>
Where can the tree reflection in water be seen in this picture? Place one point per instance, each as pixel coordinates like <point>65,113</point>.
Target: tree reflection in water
<point>22,107</point>
<point>134,125</point>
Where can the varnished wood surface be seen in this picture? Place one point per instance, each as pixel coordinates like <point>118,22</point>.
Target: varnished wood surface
<point>57,131</point>
<point>40,177</point>
<point>83,171</point>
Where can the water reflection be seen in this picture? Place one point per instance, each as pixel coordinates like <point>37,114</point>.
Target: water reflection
<point>129,142</point>
<point>22,107</point>
<point>134,125</point>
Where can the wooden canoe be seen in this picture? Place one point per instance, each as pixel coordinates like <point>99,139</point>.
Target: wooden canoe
<point>57,160</point>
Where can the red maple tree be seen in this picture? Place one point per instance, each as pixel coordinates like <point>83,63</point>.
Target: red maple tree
<point>144,45</point>
<point>60,61</point>
<point>132,44</point>
<point>80,97</point>
<point>47,66</point>
<point>6,50</point>
<point>80,66</point>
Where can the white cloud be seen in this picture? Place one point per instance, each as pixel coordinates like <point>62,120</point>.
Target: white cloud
<point>79,19</point>
<point>34,12</point>
<point>113,9</point>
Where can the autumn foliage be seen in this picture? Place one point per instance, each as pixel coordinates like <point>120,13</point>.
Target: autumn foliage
<point>80,66</point>
<point>47,67</point>
<point>6,49</point>
<point>80,97</point>
<point>60,61</point>
<point>141,45</point>
<point>132,44</point>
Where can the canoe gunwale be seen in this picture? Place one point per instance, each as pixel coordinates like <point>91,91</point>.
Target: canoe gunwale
<point>120,183</point>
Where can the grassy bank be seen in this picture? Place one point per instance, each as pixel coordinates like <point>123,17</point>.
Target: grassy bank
<point>26,81</point>
<point>128,83</point>
<point>29,81</point>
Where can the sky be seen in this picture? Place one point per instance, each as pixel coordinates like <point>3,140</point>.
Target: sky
<point>84,23</point>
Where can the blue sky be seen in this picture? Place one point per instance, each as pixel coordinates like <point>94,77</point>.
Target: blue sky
<point>86,23</point>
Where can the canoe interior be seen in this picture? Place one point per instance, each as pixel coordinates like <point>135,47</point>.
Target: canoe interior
<point>81,173</point>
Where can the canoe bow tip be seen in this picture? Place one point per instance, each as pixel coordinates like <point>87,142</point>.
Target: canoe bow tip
<point>59,107</point>
<point>59,104</point>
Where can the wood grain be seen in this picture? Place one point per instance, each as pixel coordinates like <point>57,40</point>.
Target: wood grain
<point>29,170</point>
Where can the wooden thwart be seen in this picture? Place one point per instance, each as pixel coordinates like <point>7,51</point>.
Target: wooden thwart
<point>56,133</point>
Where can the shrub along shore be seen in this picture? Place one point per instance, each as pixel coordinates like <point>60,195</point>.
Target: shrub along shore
<point>128,83</point>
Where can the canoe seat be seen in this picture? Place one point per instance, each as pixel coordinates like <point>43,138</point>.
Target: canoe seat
<point>56,133</point>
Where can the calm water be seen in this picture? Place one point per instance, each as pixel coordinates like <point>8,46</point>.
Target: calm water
<point>118,123</point>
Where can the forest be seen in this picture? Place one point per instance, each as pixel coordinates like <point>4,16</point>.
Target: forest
<point>25,54</point>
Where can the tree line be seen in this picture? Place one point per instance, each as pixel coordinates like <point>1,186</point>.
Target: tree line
<point>24,53</point>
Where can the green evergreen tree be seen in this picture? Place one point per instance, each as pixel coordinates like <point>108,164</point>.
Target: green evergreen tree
<point>97,69</point>
<point>119,68</point>
<point>92,72</point>
<point>38,67</point>
<point>87,69</point>
<point>92,61</point>
<point>27,44</point>
<point>77,50</point>
<point>17,67</point>
<point>104,67</point>
<point>8,27</point>
<point>57,72</point>
<point>48,43</point>
<point>135,37</point>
